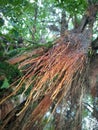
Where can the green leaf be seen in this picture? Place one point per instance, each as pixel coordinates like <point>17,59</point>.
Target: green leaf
<point>5,84</point>
<point>1,22</point>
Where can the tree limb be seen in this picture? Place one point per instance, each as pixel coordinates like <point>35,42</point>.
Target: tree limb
<point>94,44</point>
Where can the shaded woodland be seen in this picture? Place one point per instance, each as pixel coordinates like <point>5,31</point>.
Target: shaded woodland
<point>49,65</point>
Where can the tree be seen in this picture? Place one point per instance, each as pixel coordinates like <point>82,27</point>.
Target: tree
<point>58,76</point>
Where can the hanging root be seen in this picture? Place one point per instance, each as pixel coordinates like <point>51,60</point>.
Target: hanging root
<point>51,78</point>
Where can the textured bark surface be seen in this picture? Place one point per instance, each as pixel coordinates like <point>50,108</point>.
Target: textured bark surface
<point>93,80</point>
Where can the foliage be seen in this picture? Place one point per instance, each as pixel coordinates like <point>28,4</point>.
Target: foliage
<point>5,84</point>
<point>9,73</point>
<point>20,21</point>
<point>73,7</point>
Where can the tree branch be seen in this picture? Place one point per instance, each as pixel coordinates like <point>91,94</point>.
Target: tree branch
<point>94,44</point>
<point>89,17</point>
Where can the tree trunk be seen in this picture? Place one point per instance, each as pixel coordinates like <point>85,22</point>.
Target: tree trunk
<point>64,22</point>
<point>53,77</point>
<point>93,81</point>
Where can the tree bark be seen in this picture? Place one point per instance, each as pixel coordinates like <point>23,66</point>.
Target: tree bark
<point>79,42</point>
